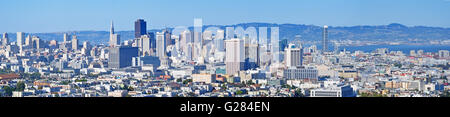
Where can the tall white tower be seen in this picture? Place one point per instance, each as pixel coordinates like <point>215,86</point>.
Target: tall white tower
<point>20,36</point>
<point>235,56</point>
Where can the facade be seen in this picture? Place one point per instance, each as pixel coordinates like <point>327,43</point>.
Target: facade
<point>74,42</point>
<point>20,36</point>
<point>140,28</point>
<point>146,45</point>
<point>325,39</point>
<point>5,39</point>
<point>121,57</point>
<point>340,91</point>
<point>300,73</point>
<point>294,56</point>
<point>443,53</point>
<point>206,78</point>
<point>114,39</point>
<point>235,55</point>
<point>160,44</point>
<point>146,60</point>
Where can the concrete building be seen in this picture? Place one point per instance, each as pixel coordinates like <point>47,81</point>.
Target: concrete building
<point>235,55</point>
<point>120,57</point>
<point>206,78</point>
<point>339,91</point>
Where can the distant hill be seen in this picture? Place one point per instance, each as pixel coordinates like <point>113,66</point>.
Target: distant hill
<point>389,32</point>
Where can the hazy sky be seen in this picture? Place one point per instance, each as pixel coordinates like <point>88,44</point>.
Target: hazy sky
<point>75,15</point>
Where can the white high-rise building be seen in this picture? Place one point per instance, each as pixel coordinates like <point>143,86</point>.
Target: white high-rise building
<point>65,38</point>
<point>28,40</point>
<point>160,44</point>
<point>5,35</point>
<point>185,40</point>
<point>235,56</point>
<point>293,56</point>
<point>5,39</point>
<point>146,49</point>
<point>20,36</point>
<point>74,42</point>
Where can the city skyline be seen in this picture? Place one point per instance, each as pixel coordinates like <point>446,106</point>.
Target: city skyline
<point>56,16</point>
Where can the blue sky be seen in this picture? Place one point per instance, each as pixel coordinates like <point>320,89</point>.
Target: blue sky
<point>75,15</point>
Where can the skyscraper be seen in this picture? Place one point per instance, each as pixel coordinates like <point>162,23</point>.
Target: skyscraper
<point>5,40</point>
<point>140,28</point>
<point>219,40</point>
<point>146,45</point>
<point>20,36</point>
<point>325,39</point>
<point>229,33</point>
<point>28,40</point>
<point>168,37</point>
<point>160,44</point>
<point>37,42</point>
<point>235,55</point>
<point>114,39</point>
<point>65,37</point>
<point>5,35</point>
<point>120,57</point>
<point>294,56</point>
<point>74,42</point>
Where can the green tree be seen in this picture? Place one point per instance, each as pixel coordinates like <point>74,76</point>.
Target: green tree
<point>239,92</point>
<point>298,93</point>
<point>8,90</point>
<point>187,81</point>
<point>20,86</point>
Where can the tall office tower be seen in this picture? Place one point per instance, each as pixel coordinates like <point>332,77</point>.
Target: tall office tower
<point>251,55</point>
<point>37,42</point>
<point>185,39</point>
<point>140,28</point>
<point>146,45</point>
<point>74,42</point>
<point>275,44</point>
<point>160,44</point>
<point>235,55</point>
<point>198,44</point>
<point>28,40</point>
<point>65,38</point>
<point>114,39</point>
<point>219,40</point>
<point>5,40</point>
<point>168,37</point>
<point>5,35</point>
<point>87,45</point>
<point>120,57</point>
<point>20,36</point>
<point>293,56</point>
<point>325,39</point>
<point>151,35</point>
<point>336,47</point>
<point>229,33</point>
